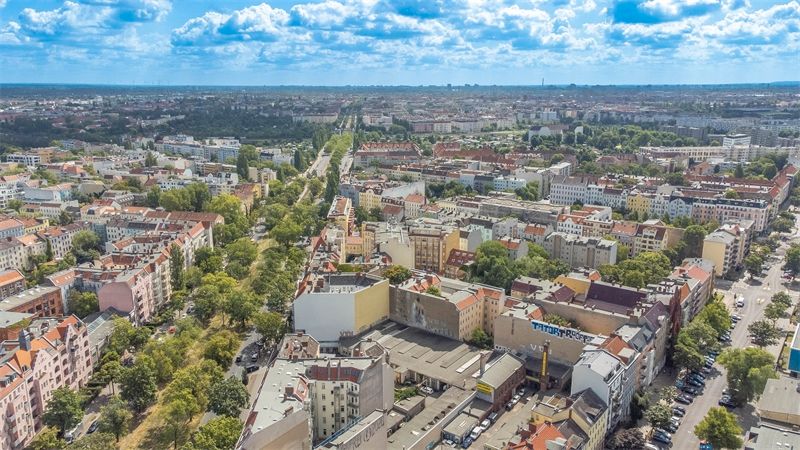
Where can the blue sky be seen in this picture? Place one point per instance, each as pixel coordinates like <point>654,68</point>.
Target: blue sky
<point>365,42</point>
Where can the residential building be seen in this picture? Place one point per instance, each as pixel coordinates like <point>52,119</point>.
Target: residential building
<point>432,242</point>
<point>342,213</point>
<point>41,301</point>
<point>386,153</point>
<point>11,282</point>
<point>50,353</point>
<point>585,409</point>
<point>447,307</point>
<point>332,306</point>
<point>579,251</point>
<point>604,374</point>
<point>306,399</point>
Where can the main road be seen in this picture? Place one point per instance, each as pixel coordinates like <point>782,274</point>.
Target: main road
<point>757,293</point>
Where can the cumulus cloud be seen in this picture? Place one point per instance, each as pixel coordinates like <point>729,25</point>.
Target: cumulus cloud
<point>369,34</point>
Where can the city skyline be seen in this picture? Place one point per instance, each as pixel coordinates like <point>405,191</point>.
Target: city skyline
<point>334,43</point>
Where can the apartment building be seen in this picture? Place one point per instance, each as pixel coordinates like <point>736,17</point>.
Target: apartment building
<point>432,242</point>
<point>579,251</point>
<point>333,306</point>
<point>446,307</point>
<point>61,237</point>
<point>585,410</point>
<point>342,213</point>
<point>50,353</point>
<point>11,282</point>
<point>305,399</point>
<point>607,376</point>
<point>386,153</point>
<point>40,301</point>
<point>654,236</point>
<point>732,210</point>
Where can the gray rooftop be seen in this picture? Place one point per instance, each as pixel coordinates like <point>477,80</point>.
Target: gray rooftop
<point>8,318</point>
<point>780,396</point>
<point>766,437</point>
<point>501,369</point>
<point>25,296</point>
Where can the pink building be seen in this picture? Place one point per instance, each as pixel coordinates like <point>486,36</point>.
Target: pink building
<point>49,354</point>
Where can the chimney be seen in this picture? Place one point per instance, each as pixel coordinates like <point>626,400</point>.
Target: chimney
<point>288,391</point>
<point>24,338</point>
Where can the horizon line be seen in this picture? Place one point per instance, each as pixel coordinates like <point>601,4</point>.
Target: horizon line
<point>450,85</point>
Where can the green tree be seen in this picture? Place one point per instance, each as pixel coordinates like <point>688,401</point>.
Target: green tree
<point>720,428</point>
<point>176,415</point>
<point>83,303</point>
<point>243,251</point>
<point>626,439</point>
<point>658,414</point>
<point>480,339</point>
<point>208,259</point>
<point>269,325</point>
<point>783,299</point>
<point>221,347</point>
<point>176,263</point>
<point>774,311</point>
<point>240,305</point>
<point>64,410</point>
<point>228,397</point>
<point>48,251</point>
<point>754,264</point>
<point>492,265</point>
<point>138,384</point>
<point>793,259</point>
<point>218,433</point>
<point>86,246</point>
<point>748,371</point>
<point>175,200</point>
<point>15,204</point>
<point>739,171</point>
<point>703,335</point>
<point>397,274</point>
<point>687,354</point>
<point>763,333</point>
<point>434,290</point>
<point>782,225</point>
<point>716,314</point>
<point>242,167</point>
<point>153,199</point>
<point>555,319</point>
<point>115,417</point>
<point>287,232</point>
<point>47,439</point>
<point>150,160</point>
<point>693,236</point>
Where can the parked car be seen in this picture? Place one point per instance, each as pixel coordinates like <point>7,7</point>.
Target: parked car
<point>476,432</point>
<point>679,408</point>
<point>678,411</point>
<point>662,439</point>
<point>661,431</point>
<point>251,369</point>
<point>516,399</point>
<point>693,382</point>
<point>493,417</point>
<point>93,427</point>
<point>684,398</point>
<point>486,424</point>
<point>651,446</point>
<point>698,375</point>
<point>740,302</point>
<point>726,402</point>
<point>467,442</point>
<point>254,357</point>
<point>672,427</point>
<point>427,390</point>
<point>691,390</point>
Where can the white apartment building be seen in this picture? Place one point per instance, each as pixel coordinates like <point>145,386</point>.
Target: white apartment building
<point>608,378</point>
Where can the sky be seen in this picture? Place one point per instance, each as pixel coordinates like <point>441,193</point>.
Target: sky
<point>399,42</point>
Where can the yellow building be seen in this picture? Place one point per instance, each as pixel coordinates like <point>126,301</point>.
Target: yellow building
<point>578,281</point>
<point>639,203</point>
<point>342,304</point>
<point>432,244</point>
<point>720,248</point>
<point>369,199</point>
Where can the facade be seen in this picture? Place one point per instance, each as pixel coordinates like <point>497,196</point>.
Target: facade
<point>498,382</point>
<point>578,251</point>
<point>11,282</point>
<point>341,305</point>
<point>305,399</point>
<point>432,244</point>
<point>606,376</point>
<point>585,409</point>
<point>454,309</point>
<point>48,354</point>
<point>41,301</point>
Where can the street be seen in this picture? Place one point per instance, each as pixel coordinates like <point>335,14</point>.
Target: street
<point>757,293</point>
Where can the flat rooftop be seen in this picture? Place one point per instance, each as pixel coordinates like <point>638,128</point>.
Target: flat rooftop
<point>25,297</point>
<point>8,318</point>
<point>435,410</point>
<point>411,349</point>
